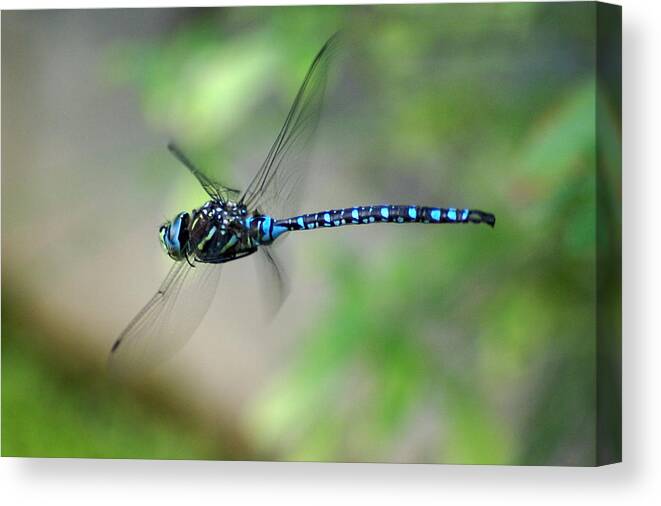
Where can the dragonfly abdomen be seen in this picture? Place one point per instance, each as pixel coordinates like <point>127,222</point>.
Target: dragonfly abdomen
<point>364,215</point>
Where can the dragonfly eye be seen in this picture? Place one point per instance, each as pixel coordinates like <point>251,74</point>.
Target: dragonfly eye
<point>174,236</point>
<point>162,235</point>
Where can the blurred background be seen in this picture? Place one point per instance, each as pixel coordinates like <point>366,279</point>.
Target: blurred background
<point>453,344</point>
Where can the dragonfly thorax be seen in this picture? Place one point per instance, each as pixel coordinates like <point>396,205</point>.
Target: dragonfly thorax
<point>214,233</point>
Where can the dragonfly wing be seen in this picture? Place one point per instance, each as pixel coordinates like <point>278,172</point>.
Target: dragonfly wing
<point>215,190</point>
<point>277,184</point>
<point>169,319</point>
<point>273,278</point>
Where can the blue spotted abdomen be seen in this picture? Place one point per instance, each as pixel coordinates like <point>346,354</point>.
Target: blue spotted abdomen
<point>264,229</point>
<point>364,215</point>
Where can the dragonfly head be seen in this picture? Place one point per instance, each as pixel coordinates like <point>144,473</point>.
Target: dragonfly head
<point>174,236</point>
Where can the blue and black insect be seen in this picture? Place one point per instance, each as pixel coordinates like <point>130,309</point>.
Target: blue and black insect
<point>233,225</point>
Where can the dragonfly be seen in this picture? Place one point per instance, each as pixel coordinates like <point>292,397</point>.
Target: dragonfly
<point>235,224</point>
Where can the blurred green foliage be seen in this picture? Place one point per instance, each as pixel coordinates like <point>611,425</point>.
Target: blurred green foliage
<point>52,407</point>
<point>462,346</point>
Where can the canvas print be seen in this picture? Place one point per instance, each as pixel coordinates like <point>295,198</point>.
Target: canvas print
<point>385,233</point>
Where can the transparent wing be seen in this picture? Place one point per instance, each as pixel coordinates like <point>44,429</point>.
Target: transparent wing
<point>215,190</point>
<point>275,285</point>
<point>169,319</point>
<point>276,185</point>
